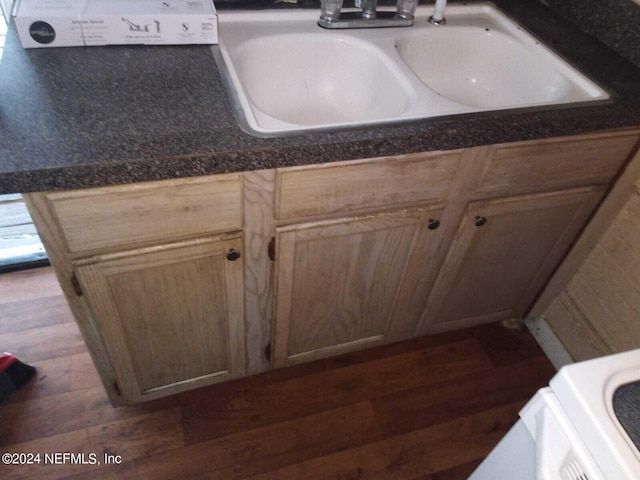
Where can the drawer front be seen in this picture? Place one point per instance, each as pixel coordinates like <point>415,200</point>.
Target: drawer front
<point>348,187</point>
<point>556,164</point>
<point>111,218</point>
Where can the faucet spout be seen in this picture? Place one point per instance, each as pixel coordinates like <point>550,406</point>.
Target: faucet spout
<point>438,13</point>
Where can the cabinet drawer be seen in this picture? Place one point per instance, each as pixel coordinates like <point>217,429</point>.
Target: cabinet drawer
<point>556,164</point>
<point>364,185</point>
<point>107,218</point>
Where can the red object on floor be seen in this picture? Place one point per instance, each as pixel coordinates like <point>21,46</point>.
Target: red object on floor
<point>6,360</point>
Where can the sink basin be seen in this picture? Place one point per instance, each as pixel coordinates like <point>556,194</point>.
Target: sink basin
<point>286,75</point>
<point>337,79</point>
<point>491,64</point>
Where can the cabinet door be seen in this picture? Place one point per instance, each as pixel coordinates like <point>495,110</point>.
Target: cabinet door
<point>171,316</point>
<point>338,283</point>
<point>502,255</point>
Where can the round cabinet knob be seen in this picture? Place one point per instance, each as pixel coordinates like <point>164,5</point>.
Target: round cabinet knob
<point>432,224</point>
<point>233,255</point>
<point>480,221</point>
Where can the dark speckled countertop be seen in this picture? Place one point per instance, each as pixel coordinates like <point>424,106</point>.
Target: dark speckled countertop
<point>79,117</point>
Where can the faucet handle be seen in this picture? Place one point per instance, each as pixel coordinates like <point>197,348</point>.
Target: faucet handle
<point>357,3</point>
<point>330,10</point>
<point>369,9</point>
<point>406,8</point>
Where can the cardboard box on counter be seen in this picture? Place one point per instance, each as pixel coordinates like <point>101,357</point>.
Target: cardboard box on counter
<point>67,23</point>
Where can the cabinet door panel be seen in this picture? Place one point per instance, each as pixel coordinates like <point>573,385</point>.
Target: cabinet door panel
<point>338,283</point>
<point>495,267</point>
<point>172,315</point>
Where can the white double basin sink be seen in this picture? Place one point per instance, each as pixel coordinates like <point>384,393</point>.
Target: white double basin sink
<point>287,75</point>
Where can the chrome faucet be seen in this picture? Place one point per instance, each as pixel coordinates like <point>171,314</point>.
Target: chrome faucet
<point>438,13</point>
<point>331,15</point>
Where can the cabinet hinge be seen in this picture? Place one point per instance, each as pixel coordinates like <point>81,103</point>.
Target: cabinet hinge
<point>267,352</point>
<point>116,388</point>
<point>75,284</point>
<point>271,249</point>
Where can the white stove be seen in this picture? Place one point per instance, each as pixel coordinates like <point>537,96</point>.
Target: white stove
<point>571,430</point>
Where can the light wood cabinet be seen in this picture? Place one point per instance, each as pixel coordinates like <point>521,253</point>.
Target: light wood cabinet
<point>98,220</point>
<point>333,257</point>
<point>556,164</point>
<point>154,276</point>
<point>509,215</point>
<point>365,185</point>
<point>172,314</point>
<point>503,253</point>
<point>338,282</point>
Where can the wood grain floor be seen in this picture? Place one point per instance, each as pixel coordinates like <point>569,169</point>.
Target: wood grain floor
<point>430,408</point>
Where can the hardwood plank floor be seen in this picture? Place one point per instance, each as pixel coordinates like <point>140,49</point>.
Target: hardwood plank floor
<point>426,409</point>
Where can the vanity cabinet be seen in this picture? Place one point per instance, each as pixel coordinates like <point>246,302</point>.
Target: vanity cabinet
<point>181,283</point>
